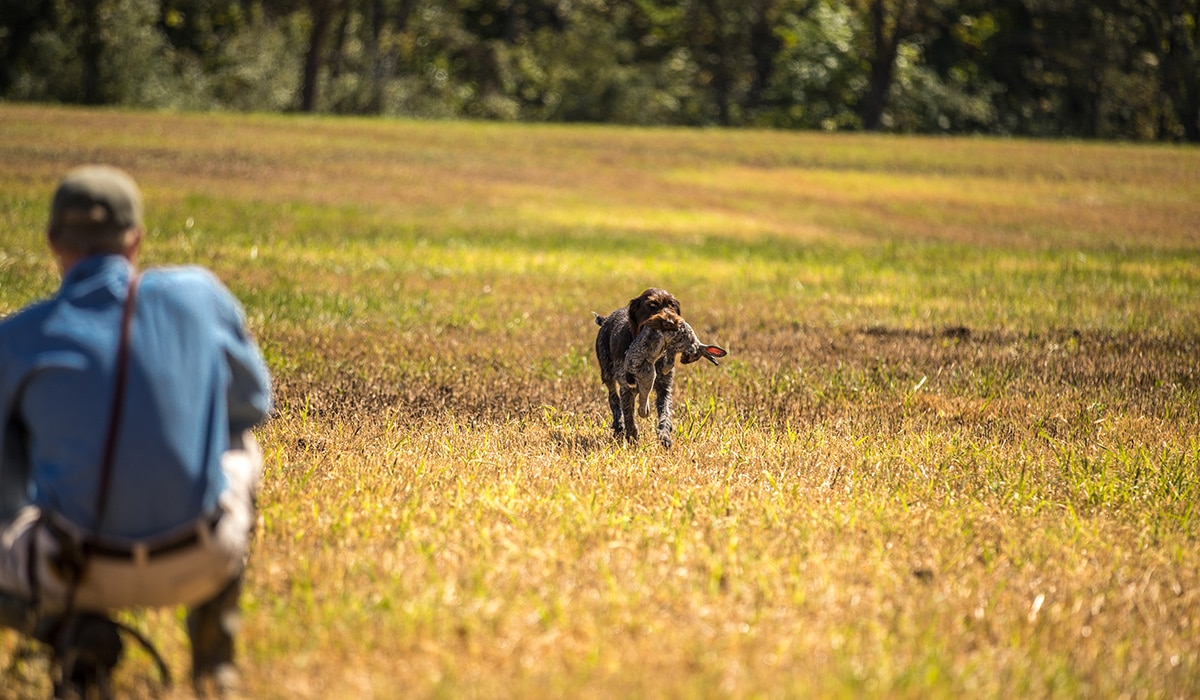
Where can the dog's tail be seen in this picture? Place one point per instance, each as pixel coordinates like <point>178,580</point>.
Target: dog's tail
<point>599,319</point>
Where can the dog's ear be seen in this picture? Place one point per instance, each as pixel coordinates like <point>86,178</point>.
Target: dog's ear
<point>635,310</point>
<point>641,308</point>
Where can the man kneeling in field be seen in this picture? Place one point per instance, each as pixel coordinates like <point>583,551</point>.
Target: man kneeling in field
<point>127,469</point>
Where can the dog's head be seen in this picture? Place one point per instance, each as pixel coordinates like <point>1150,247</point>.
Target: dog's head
<point>647,304</point>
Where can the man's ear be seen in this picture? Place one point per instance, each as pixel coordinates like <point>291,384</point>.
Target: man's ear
<point>53,243</point>
<point>62,257</point>
<point>133,242</point>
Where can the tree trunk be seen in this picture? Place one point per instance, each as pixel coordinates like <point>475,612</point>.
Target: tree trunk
<point>322,16</point>
<point>1181,76</point>
<point>720,57</point>
<point>375,60</point>
<point>885,45</point>
<point>1178,63</point>
<point>764,47</point>
<point>93,50</point>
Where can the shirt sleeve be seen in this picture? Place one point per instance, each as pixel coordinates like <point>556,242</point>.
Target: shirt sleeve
<point>249,395</point>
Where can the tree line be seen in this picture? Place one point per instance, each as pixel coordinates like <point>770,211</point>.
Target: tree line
<point>1108,69</point>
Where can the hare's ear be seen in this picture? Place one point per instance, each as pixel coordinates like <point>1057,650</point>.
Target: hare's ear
<point>712,352</point>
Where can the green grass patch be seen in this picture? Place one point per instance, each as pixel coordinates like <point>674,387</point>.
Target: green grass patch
<point>952,453</point>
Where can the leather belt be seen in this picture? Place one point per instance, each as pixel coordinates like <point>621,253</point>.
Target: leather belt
<point>202,530</point>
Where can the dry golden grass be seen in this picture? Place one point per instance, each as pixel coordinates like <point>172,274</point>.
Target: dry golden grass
<point>953,452</point>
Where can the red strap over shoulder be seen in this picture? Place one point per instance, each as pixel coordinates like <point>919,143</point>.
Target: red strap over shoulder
<point>114,416</point>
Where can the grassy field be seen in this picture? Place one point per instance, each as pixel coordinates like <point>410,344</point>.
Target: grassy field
<point>955,450</point>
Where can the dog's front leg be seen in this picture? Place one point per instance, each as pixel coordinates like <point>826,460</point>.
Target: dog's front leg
<point>663,384</point>
<point>629,396</point>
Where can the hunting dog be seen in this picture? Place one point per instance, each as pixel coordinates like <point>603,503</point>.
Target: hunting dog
<point>654,322</point>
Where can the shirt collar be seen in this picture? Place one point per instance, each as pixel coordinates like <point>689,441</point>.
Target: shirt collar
<point>97,272</point>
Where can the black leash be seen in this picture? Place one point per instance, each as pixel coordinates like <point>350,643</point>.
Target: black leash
<point>141,639</point>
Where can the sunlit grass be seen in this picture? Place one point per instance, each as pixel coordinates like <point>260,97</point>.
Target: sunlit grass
<point>952,453</point>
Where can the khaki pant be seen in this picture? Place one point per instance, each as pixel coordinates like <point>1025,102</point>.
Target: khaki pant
<point>185,576</point>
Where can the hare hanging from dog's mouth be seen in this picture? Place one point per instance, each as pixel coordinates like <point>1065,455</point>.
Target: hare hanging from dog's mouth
<point>636,348</point>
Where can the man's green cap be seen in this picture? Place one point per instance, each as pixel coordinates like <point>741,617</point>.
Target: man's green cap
<point>96,199</point>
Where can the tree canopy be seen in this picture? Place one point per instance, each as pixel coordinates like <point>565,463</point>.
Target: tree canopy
<point>1109,69</point>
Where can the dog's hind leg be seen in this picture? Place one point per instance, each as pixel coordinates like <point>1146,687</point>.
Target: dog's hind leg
<point>614,405</point>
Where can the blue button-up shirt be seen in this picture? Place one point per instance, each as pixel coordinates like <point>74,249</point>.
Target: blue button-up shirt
<point>194,378</point>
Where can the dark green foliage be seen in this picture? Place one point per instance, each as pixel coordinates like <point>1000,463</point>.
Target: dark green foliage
<point>1113,69</point>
